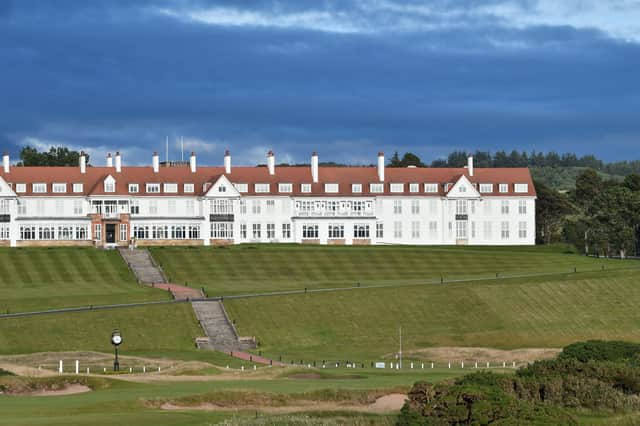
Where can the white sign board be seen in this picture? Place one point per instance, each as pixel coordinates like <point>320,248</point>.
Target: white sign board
<point>380,364</point>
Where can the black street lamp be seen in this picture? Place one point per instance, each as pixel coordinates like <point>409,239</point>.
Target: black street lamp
<point>116,340</point>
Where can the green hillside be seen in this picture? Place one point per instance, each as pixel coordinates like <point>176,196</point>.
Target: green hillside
<point>255,268</point>
<point>564,178</point>
<point>43,278</point>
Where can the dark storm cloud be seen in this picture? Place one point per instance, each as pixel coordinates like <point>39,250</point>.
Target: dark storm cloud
<point>111,75</point>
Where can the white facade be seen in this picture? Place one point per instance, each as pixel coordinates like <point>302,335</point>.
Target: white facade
<point>264,205</point>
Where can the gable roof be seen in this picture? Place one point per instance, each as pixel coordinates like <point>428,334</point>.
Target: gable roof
<point>344,176</point>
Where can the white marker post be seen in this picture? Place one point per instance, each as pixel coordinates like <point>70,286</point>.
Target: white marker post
<point>60,367</point>
<point>77,366</point>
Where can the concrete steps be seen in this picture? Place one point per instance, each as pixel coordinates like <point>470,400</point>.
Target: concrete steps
<point>142,265</point>
<point>221,333</point>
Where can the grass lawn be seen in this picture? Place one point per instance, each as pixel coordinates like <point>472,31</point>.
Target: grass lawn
<point>159,330</point>
<point>254,268</point>
<point>547,311</point>
<point>42,278</point>
<point>123,403</point>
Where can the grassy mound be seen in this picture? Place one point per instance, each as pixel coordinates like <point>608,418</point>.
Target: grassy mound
<point>255,268</point>
<point>43,278</point>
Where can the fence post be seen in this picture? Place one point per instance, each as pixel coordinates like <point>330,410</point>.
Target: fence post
<point>60,367</point>
<point>77,366</point>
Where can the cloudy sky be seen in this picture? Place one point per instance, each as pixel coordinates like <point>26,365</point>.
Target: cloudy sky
<point>345,78</point>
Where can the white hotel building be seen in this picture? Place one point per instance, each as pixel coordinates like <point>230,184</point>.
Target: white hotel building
<point>191,205</point>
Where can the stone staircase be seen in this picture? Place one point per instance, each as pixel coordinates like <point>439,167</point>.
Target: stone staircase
<point>221,333</point>
<point>143,266</point>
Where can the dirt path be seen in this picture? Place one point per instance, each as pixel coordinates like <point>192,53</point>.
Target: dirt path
<point>384,404</point>
<point>472,354</point>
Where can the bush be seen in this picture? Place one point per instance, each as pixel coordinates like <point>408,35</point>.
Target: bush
<point>601,350</point>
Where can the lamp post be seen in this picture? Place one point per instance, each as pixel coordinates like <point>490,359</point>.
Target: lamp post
<point>116,340</point>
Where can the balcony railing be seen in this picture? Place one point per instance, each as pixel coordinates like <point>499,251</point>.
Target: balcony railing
<point>314,213</point>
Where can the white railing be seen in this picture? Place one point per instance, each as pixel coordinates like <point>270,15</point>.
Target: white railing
<point>314,213</point>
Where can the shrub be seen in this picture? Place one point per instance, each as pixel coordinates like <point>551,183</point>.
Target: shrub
<point>601,350</point>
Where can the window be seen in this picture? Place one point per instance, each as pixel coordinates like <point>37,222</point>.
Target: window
<point>261,187</point>
<point>134,207</point>
<point>397,206</point>
<point>241,187</point>
<point>487,232</point>
<point>397,188</point>
<point>255,206</point>
<point>431,188</point>
<point>461,207</point>
<point>170,188</point>
<point>271,230</point>
<point>22,207</point>
<point>357,208</point>
<point>286,230</point>
<point>504,187</point>
<point>77,208</point>
<point>285,187</point>
<point>360,231</point>
<point>223,230</point>
<point>27,232</point>
<point>473,229</point>
<point>461,229</point>
<point>310,231</point>
<point>243,206</point>
<point>171,207</point>
<point>486,188</point>
<point>415,206</point>
<point>504,207</point>
<point>222,188</point>
<point>376,188</point>
<point>522,206</point>
<point>257,232</point>
<point>331,188</point>
<point>4,206</point>
<point>124,234</point>
<point>505,230</point>
<point>21,187</point>
<point>59,187</point>
<point>433,206</point>
<point>433,229</point>
<point>305,207</point>
<point>97,231</point>
<point>397,230</point>
<point>4,232</point>
<point>134,188</point>
<point>414,187</point>
<point>39,187</point>
<point>271,206</point>
<point>521,188</point>
<point>336,231</point>
<point>188,188</point>
<point>379,230</point>
<point>415,229</point>
<point>305,188</point>
<point>462,189</point>
<point>243,231</point>
<point>332,207</point>
<point>153,207</point>
<point>221,206</point>
<point>356,188</point>
<point>40,207</point>
<point>522,229</point>
<point>153,188</point>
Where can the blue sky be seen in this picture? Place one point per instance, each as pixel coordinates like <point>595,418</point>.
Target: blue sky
<point>344,78</point>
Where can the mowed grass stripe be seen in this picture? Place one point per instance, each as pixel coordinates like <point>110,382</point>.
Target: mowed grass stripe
<point>534,312</point>
<point>258,268</point>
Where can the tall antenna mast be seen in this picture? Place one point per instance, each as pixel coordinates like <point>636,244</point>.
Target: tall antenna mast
<point>166,151</point>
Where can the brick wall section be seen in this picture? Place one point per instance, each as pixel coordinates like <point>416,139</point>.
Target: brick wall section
<point>310,241</point>
<point>220,242</point>
<point>333,242</point>
<point>54,243</point>
<point>361,241</point>
<point>148,243</point>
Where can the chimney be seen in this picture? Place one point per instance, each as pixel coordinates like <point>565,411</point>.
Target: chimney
<point>109,160</point>
<point>192,162</point>
<point>470,165</point>
<point>118,162</point>
<point>5,162</point>
<point>227,162</point>
<point>155,162</point>
<point>381,166</point>
<point>271,163</point>
<point>314,167</point>
<point>83,163</point>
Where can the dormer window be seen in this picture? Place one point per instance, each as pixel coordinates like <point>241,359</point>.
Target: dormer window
<point>397,188</point>
<point>78,187</point>
<point>170,188</point>
<point>305,188</point>
<point>331,188</point>
<point>109,187</point>
<point>188,188</point>
<point>261,187</point>
<point>431,188</point>
<point>153,188</point>
<point>134,188</point>
<point>21,187</point>
<point>376,188</point>
<point>241,187</point>
<point>285,187</point>
<point>356,188</point>
<point>504,187</point>
<point>486,188</point>
<point>59,188</point>
<point>414,187</point>
<point>521,188</point>
<point>39,188</point>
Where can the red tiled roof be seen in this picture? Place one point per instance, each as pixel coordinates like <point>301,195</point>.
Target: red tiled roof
<point>94,177</point>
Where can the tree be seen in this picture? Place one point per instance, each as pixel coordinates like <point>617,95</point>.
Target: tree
<point>551,209</point>
<point>395,160</point>
<point>56,156</point>
<point>410,159</point>
<point>632,182</point>
<point>588,185</point>
<point>615,218</point>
